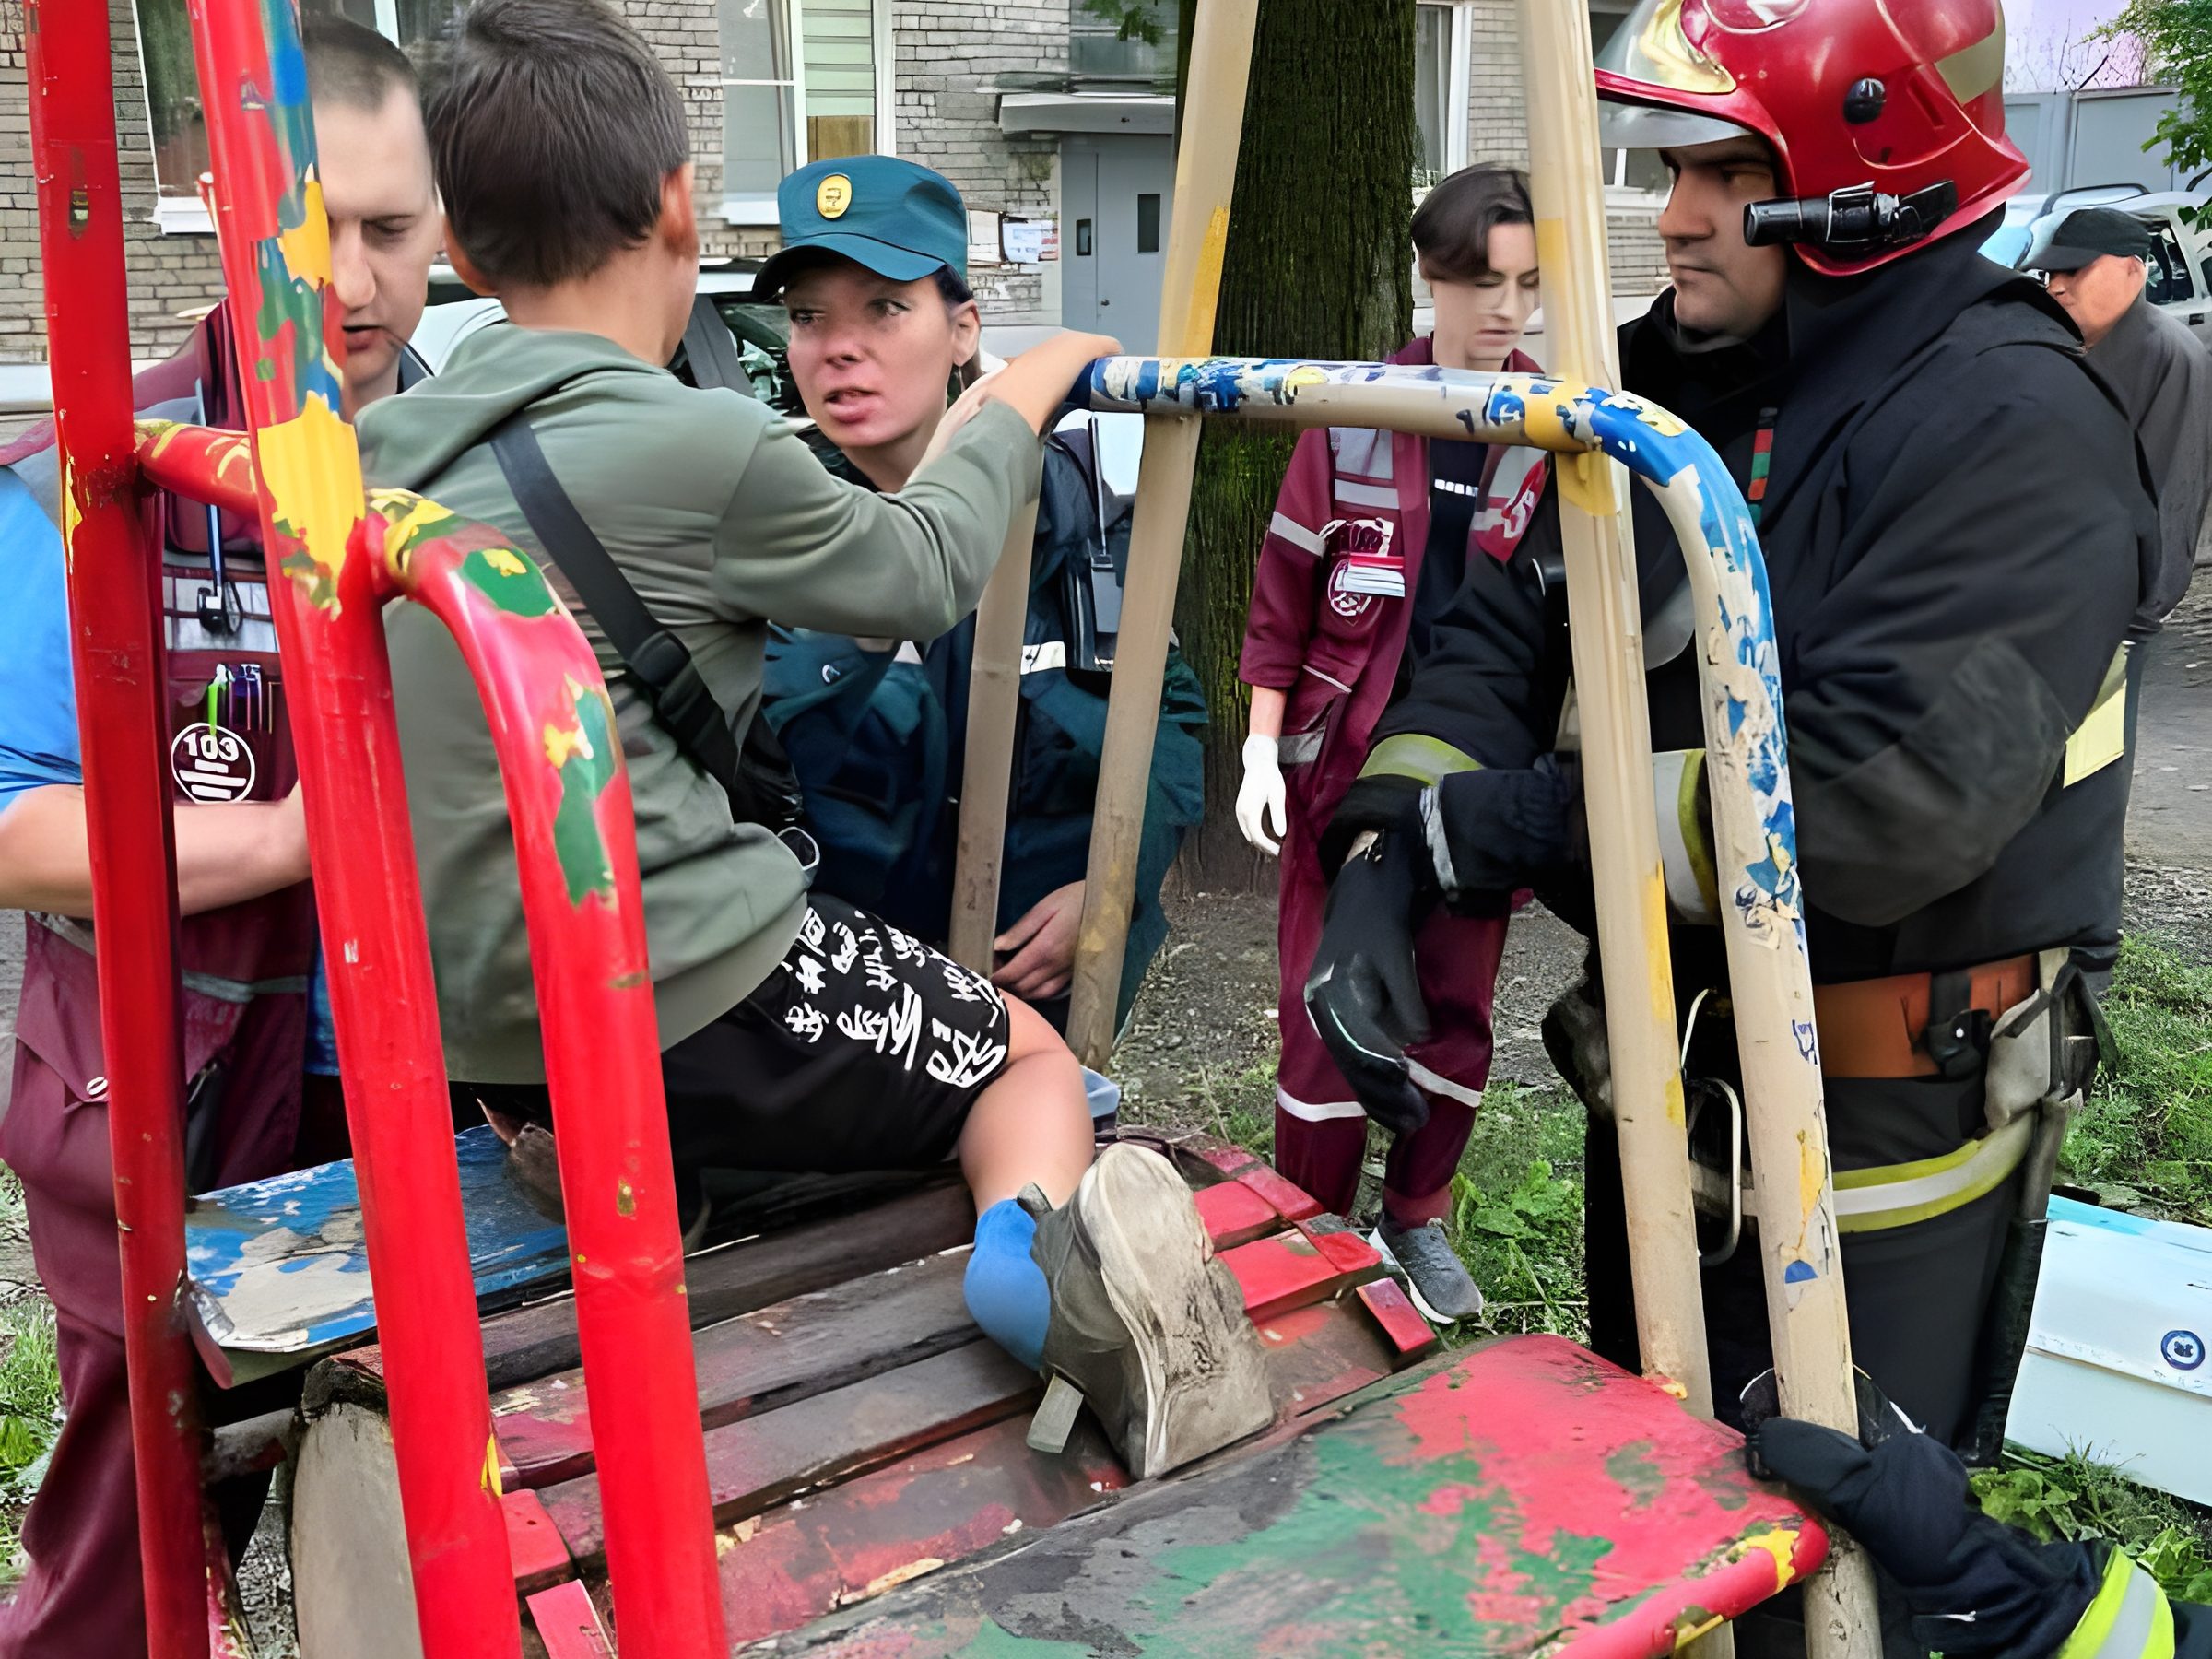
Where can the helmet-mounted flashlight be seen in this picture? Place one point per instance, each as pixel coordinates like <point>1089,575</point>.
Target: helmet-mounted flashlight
<point>1852,222</point>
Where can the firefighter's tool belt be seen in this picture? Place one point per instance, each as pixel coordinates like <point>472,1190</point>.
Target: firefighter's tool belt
<point>1917,1025</point>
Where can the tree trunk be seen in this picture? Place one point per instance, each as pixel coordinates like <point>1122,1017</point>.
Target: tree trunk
<point>1318,266</point>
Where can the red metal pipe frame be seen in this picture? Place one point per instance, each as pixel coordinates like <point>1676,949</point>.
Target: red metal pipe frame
<point>116,646</point>
<point>568,796</point>
<point>276,265</point>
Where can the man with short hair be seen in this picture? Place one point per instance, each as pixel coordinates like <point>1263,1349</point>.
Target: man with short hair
<point>2094,263</point>
<point>259,1049</point>
<point>1955,533</point>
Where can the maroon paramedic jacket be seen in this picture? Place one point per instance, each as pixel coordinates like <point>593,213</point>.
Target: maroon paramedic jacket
<point>1351,523</point>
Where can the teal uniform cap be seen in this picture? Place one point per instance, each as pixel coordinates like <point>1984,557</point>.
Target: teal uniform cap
<point>900,221</point>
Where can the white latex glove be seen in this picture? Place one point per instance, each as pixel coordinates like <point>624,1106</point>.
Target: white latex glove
<point>1260,799</point>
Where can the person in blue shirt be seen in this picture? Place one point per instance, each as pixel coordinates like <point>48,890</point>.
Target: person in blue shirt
<point>255,1019</point>
<point>882,330</point>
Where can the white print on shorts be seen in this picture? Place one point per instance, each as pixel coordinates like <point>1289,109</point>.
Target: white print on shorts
<point>966,1059</point>
<point>847,952</point>
<point>805,1022</point>
<point>810,929</point>
<point>811,976</point>
<point>965,986</point>
<point>895,1032</point>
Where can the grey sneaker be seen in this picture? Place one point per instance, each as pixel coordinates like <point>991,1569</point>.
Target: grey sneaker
<point>1434,1267</point>
<point>1147,1327</point>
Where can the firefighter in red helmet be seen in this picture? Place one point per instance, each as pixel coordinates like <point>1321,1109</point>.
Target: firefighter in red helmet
<point>1956,531</point>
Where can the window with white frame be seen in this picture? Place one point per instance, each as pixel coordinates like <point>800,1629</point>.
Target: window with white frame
<point>1637,172</point>
<point>174,118</point>
<point>802,80</point>
<point>1442,40</point>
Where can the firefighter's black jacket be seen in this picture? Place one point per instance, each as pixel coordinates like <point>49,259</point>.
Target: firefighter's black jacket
<point>1957,529</point>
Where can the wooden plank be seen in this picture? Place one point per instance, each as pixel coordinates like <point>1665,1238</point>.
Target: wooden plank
<point>758,1463</point>
<point>1292,1203</point>
<point>1343,1245</point>
<point>1234,1213</point>
<point>735,1278</point>
<point>757,1362</point>
<point>1212,120</point>
<point>534,1545</point>
<point>1441,1513</point>
<point>1204,1155</point>
<point>569,1623</point>
<point>1318,1353</point>
<point>994,702</point>
<point>785,1568</point>
<point>986,1490</point>
<point>1410,1336</point>
<point>1290,1271</point>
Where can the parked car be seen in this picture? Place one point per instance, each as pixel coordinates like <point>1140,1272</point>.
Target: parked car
<point>454,313</point>
<point>2180,262</point>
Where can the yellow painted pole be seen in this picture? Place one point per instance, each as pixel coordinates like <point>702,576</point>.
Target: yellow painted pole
<point>1608,639</point>
<point>1206,175</point>
<point>994,701</point>
<point>1769,988</point>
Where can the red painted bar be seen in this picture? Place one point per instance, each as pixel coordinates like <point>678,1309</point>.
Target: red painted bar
<point>568,797</point>
<point>115,642</point>
<point>276,254</point>
<point>200,464</point>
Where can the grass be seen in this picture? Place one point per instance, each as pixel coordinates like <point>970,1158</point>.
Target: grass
<point>2145,1135</point>
<point>2074,1499</point>
<point>30,1396</point>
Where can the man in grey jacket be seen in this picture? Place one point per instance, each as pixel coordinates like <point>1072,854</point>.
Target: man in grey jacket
<point>2094,262</point>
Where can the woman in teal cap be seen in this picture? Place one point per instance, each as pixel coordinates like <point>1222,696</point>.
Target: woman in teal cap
<point>884,331</point>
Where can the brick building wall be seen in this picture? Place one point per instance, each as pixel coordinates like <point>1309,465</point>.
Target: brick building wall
<point>949,56</point>
<point>168,274</point>
<point>1498,131</point>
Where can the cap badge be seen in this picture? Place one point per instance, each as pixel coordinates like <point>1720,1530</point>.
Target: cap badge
<point>833,195</point>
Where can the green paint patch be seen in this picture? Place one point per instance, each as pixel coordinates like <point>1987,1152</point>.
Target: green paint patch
<point>314,582</point>
<point>510,580</point>
<point>586,769</point>
<point>632,980</point>
<point>1375,1548</point>
<point>1633,1470</point>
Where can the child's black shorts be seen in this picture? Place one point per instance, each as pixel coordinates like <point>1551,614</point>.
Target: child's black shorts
<point>864,1050</point>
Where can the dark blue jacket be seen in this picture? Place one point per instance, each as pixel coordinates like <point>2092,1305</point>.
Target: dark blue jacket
<point>877,739</point>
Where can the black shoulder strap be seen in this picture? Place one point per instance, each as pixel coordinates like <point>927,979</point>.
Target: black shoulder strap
<point>657,659</point>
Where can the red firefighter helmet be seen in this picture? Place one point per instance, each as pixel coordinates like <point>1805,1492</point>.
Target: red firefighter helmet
<point>1887,117</point>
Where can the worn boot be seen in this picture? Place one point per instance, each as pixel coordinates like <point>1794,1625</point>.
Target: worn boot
<point>1434,1267</point>
<point>1147,1328</point>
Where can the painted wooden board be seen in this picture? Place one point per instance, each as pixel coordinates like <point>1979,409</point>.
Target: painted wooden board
<point>756,1363</point>
<point>943,1505</point>
<point>1445,1512</point>
<point>569,1623</point>
<point>760,1461</point>
<point>1289,1270</point>
<point>534,1545</point>
<point>539,1340</point>
<point>280,1270</point>
<point>1410,1336</point>
<point>1234,1213</point>
<point>974,1493</point>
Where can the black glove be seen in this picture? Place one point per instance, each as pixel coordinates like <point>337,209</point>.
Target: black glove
<point>1975,1584</point>
<point>1361,993</point>
<point>1491,833</point>
<point>1384,802</point>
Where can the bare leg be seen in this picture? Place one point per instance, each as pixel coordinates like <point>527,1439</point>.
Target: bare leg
<point>1031,1122</point>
